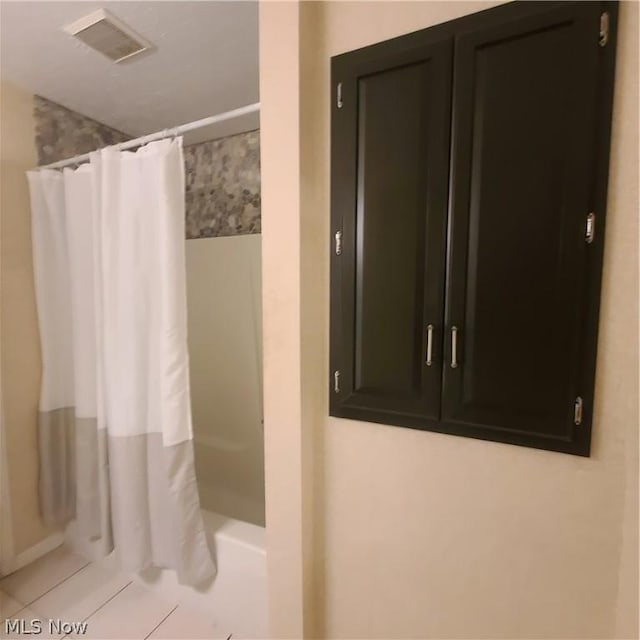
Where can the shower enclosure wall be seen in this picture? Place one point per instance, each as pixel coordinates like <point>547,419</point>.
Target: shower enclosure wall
<point>225,320</point>
<point>225,354</point>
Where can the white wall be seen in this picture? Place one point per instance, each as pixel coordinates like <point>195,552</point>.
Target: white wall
<point>225,360</point>
<point>418,534</point>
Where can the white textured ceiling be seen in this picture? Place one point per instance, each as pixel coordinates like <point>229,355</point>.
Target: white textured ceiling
<point>205,62</point>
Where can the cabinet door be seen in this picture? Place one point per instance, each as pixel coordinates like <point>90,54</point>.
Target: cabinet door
<point>524,115</point>
<point>390,150</point>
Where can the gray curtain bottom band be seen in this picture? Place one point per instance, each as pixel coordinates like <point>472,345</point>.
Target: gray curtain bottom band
<point>137,496</point>
<point>57,480</point>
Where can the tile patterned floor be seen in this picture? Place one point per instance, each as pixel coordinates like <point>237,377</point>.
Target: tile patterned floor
<point>63,586</point>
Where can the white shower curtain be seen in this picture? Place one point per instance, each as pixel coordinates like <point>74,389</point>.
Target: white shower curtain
<point>116,450</point>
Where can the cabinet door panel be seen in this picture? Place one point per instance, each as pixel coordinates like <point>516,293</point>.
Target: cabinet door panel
<point>523,136</point>
<point>389,190</point>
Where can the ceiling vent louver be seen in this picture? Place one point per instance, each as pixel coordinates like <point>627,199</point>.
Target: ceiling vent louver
<point>109,36</point>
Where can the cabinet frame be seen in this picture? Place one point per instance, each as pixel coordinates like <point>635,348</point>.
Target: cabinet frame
<point>343,198</point>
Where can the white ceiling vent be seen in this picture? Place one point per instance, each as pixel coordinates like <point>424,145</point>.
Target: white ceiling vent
<point>103,32</point>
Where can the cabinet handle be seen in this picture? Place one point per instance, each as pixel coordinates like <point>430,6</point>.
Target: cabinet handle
<point>454,347</point>
<point>429,344</point>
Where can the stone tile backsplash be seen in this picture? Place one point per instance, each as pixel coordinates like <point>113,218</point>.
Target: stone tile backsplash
<point>222,176</point>
<point>223,186</point>
<point>62,133</point>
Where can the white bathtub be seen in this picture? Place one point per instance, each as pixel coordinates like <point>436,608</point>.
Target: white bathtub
<point>236,600</point>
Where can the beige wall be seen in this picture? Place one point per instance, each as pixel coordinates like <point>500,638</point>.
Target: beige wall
<point>280,205</point>
<point>419,534</point>
<point>20,352</point>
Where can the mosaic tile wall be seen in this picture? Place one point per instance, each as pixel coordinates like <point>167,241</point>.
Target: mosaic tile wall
<point>62,133</point>
<point>222,176</point>
<point>223,186</point>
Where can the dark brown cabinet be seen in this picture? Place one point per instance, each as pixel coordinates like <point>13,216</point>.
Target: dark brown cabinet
<point>469,169</point>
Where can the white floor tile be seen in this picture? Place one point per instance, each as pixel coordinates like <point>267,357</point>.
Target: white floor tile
<point>42,575</point>
<point>63,586</point>
<point>8,605</point>
<point>184,624</point>
<point>132,614</point>
<point>80,595</point>
<point>28,618</point>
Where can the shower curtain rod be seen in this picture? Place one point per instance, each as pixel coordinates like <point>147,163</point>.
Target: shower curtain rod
<point>165,133</point>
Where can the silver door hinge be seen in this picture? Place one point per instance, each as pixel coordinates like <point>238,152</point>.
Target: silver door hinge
<point>336,381</point>
<point>604,29</point>
<point>590,228</point>
<point>577,411</point>
<point>339,96</point>
<point>338,242</point>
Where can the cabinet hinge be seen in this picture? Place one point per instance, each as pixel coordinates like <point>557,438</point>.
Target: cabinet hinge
<point>338,237</point>
<point>336,381</point>
<point>590,228</point>
<point>339,102</point>
<point>577,411</point>
<point>604,29</point>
